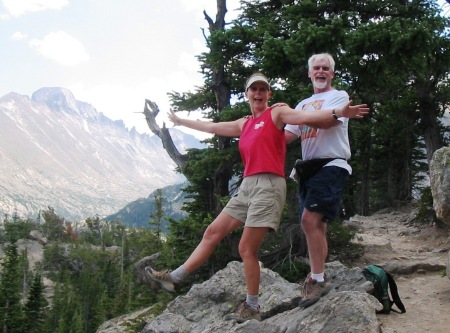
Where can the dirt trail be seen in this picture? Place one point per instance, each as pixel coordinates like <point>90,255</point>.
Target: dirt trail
<point>393,240</point>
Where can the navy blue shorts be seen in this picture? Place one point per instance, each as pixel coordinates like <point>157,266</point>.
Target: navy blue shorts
<point>322,192</point>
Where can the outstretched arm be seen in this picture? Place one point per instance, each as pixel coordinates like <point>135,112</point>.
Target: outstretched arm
<point>318,118</point>
<point>227,128</point>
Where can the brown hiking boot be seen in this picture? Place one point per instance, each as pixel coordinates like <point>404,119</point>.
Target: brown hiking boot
<point>163,278</point>
<point>244,313</point>
<point>313,291</point>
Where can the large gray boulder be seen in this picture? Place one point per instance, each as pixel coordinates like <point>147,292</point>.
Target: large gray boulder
<point>448,265</point>
<point>347,308</point>
<point>440,183</point>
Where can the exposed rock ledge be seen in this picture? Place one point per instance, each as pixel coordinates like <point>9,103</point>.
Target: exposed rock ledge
<point>347,308</point>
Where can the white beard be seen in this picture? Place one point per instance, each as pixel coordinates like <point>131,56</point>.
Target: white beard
<point>319,85</point>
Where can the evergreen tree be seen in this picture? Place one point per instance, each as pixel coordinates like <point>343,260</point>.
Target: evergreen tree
<point>53,226</point>
<point>158,214</point>
<point>122,299</point>
<point>11,310</point>
<point>35,306</point>
<point>62,307</point>
<point>77,324</point>
<point>16,229</point>
<point>95,226</point>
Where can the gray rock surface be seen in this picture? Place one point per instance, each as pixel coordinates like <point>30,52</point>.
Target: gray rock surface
<point>347,308</point>
<point>440,183</point>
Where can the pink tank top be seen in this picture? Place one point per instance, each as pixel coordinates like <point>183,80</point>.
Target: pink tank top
<point>262,146</point>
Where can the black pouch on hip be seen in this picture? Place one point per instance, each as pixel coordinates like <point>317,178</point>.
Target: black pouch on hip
<point>307,169</point>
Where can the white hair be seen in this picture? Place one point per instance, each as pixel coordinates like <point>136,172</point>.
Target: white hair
<point>321,56</point>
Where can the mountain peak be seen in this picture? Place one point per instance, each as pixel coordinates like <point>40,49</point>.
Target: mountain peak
<point>57,99</point>
<point>62,100</point>
<point>59,152</point>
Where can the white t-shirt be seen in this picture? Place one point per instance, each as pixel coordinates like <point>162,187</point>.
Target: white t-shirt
<point>324,143</point>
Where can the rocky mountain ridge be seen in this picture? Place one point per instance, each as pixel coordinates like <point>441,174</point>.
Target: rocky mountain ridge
<point>60,152</point>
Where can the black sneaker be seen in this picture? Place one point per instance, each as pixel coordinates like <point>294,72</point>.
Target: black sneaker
<point>163,278</point>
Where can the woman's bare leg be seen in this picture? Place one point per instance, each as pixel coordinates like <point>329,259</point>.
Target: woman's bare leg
<point>223,225</point>
<point>248,249</point>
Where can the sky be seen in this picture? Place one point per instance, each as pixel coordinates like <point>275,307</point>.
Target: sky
<point>112,54</point>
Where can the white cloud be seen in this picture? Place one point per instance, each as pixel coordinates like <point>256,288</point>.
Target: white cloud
<point>18,36</point>
<point>61,47</point>
<point>20,7</point>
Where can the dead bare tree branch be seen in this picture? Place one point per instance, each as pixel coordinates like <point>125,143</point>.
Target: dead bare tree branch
<point>151,110</point>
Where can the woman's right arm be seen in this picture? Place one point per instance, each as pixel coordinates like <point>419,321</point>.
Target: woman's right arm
<point>228,128</point>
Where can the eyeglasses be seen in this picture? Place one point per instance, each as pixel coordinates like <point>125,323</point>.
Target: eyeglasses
<point>324,68</point>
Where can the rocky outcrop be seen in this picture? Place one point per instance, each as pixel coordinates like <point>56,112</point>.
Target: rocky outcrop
<point>36,235</point>
<point>347,308</point>
<point>440,183</point>
<point>448,265</point>
<point>440,187</point>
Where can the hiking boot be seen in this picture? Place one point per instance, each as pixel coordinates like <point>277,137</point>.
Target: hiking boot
<point>163,278</point>
<point>244,313</point>
<point>313,291</point>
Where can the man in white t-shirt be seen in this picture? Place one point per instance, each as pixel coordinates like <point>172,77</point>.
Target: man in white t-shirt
<point>320,195</point>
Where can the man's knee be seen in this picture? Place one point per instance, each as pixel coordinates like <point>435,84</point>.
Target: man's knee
<point>311,221</point>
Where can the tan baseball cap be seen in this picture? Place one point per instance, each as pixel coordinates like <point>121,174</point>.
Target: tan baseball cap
<point>256,78</point>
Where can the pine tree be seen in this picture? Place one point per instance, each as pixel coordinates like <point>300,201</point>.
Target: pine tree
<point>35,306</point>
<point>53,227</point>
<point>122,299</point>
<point>59,304</point>
<point>158,214</point>
<point>11,310</point>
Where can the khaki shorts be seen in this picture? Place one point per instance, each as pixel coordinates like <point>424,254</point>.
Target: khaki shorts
<point>260,201</point>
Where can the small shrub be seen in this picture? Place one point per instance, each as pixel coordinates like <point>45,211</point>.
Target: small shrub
<point>425,211</point>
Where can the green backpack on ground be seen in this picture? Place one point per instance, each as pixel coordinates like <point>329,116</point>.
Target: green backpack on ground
<point>383,282</point>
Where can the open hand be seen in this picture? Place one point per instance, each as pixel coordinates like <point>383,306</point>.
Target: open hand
<point>352,111</point>
<point>174,118</point>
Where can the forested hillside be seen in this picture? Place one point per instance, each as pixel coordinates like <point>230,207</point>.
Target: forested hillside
<point>76,280</point>
<point>139,212</point>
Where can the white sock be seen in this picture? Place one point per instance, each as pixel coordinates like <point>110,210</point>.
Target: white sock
<point>252,301</point>
<point>179,275</point>
<point>318,277</point>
